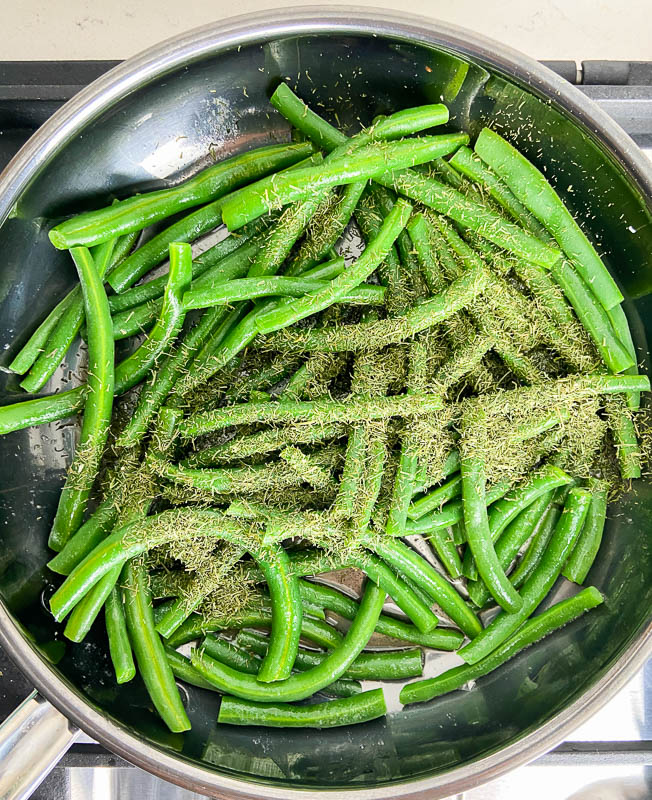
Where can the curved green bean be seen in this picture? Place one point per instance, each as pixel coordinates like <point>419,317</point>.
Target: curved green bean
<point>85,538</point>
<point>119,644</point>
<point>478,534</point>
<point>435,499</point>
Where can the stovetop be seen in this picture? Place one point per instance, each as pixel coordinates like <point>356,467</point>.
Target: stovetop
<point>607,758</point>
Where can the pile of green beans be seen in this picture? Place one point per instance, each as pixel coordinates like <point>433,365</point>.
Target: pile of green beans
<point>299,412</point>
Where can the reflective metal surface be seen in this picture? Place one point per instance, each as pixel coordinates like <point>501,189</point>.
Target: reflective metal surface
<point>161,116</point>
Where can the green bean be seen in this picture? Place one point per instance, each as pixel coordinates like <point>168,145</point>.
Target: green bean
<point>478,534</point>
<point>136,538</point>
<point>594,318</point>
<point>142,210</point>
<point>510,541</point>
<point>85,612</point>
<point>540,581</point>
<point>374,335</point>
<point>307,468</point>
<point>184,670</point>
<point>452,512</point>
<point>411,565</point>
<point>466,162</point>
<point>532,631</point>
<point>287,614</point>
<point>345,711</point>
<point>230,258</point>
<point>624,437</point>
<point>312,628</point>
<point>148,648</point>
<point>133,369</point>
<point>303,684</point>
<point>336,289</point>
<point>251,288</point>
<point>97,409</point>
<point>85,538</point>
<point>365,161</point>
<point>325,229</point>
<point>446,550</point>
<point>63,334</point>
<point>435,499</point>
<point>375,666</point>
<point>316,412</point>
<point>537,547</point>
<point>581,560</point>
<point>509,507</point>
<point>36,343</point>
<point>533,190</point>
<point>119,644</point>
<point>432,193</point>
<point>620,324</point>
<point>403,490</point>
<point>233,656</point>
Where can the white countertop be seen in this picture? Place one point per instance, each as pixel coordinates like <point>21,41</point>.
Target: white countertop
<point>545,29</point>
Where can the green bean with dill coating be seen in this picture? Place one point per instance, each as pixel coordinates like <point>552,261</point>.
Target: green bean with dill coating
<point>119,644</point>
<point>532,631</point>
<point>325,230</point>
<point>510,541</point>
<point>620,324</point>
<point>578,565</point>
<point>624,436</point>
<point>97,409</point>
<point>302,684</point>
<point>374,335</point>
<point>540,581</point>
<point>538,196</point>
<point>150,653</point>
<point>593,316</point>
<point>354,710</point>
<point>135,213</point>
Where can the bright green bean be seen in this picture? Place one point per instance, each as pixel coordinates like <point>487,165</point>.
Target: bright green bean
<point>442,541</point>
<point>625,439</point>
<point>184,670</point>
<point>509,507</point>
<point>532,631</point>
<point>510,541</point>
<point>537,547</point>
<point>303,684</point>
<point>344,711</point>
<point>36,343</point>
<point>540,581</point>
<point>142,210</point>
<point>366,161</point>
<point>435,499</point>
<point>119,644</point>
<point>85,538</point>
<point>97,408</point>
<point>533,190</point>
<point>581,560</point>
<point>150,654</point>
<point>478,534</point>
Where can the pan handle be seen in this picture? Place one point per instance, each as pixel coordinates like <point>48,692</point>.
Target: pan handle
<point>32,740</point>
